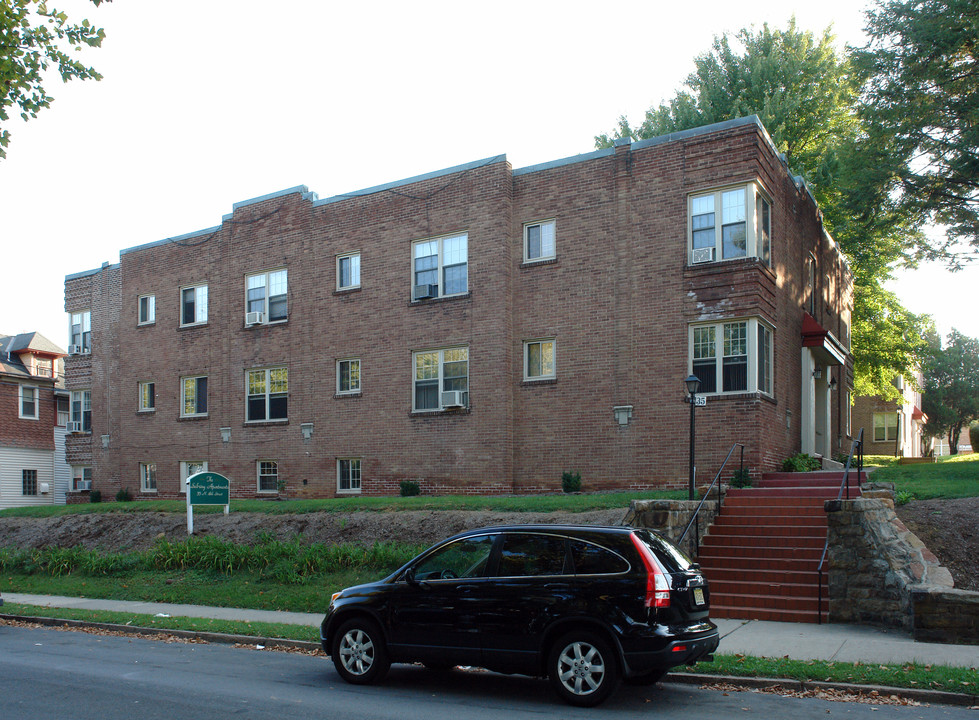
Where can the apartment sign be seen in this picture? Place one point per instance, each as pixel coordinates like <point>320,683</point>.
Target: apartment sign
<point>206,488</point>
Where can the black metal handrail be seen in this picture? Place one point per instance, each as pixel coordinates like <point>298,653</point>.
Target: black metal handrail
<point>707,495</point>
<point>855,446</point>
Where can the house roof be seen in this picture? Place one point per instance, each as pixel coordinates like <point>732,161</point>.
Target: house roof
<point>11,346</point>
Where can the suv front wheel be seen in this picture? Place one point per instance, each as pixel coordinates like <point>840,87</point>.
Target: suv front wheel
<point>358,653</point>
<point>582,668</point>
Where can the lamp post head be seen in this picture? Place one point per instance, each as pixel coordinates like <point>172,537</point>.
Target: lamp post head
<point>693,384</point>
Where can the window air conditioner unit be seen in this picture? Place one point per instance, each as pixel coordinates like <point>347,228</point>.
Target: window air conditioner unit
<point>423,292</point>
<point>83,484</point>
<point>74,349</point>
<point>702,255</point>
<point>455,398</point>
<point>73,427</point>
<point>254,318</point>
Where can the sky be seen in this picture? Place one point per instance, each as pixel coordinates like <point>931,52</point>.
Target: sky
<point>205,103</point>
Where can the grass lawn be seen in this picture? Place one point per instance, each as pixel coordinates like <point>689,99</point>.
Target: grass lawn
<point>951,477</point>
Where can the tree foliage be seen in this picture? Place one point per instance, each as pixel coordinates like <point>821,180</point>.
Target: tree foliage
<point>806,93</point>
<point>922,99</point>
<point>33,39</point>
<point>951,393</point>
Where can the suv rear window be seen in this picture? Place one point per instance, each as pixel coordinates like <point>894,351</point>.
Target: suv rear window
<point>671,557</point>
<point>592,559</point>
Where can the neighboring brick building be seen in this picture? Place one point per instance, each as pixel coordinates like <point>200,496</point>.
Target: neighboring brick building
<point>33,412</point>
<point>893,427</point>
<point>478,329</point>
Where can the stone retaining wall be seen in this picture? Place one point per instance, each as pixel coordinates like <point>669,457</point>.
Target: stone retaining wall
<point>670,517</point>
<point>880,573</point>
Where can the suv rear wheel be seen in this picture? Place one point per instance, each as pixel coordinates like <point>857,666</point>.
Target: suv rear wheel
<point>359,653</point>
<point>582,668</point>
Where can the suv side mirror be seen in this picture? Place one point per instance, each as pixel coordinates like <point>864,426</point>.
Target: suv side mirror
<point>410,576</point>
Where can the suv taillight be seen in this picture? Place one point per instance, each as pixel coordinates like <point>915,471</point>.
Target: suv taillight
<point>657,584</point>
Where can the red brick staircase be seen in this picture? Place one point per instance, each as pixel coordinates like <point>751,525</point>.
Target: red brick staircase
<point>762,552</point>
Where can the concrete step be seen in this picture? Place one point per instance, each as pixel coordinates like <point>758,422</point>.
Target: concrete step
<point>794,542</point>
<point>724,588</point>
<point>765,576</point>
<point>767,526</point>
<point>730,554</point>
<point>726,563</point>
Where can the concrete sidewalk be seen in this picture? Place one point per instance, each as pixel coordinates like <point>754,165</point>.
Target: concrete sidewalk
<point>798,641</point>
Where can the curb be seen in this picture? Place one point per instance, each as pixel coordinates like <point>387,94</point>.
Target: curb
<point>938,697</point>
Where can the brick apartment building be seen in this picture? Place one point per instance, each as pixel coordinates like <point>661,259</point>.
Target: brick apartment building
<point>894,427</point>
<point>477,329</point>
<point>33,414</point>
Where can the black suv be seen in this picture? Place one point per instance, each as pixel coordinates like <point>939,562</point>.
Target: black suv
<point>584,606</point>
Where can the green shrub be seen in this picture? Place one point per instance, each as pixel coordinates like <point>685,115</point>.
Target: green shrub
<point>124,495</point>
<point>741,478</point>
<point>570,482</point>
<point>95,496</point>
<point>974,436</point>
<point>903,497</point>
<point>409,488</point>
<point>801,462</point>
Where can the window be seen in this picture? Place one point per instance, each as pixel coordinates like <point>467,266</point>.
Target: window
<point>592,559</point>
<point>726,362</point>
<point>348,271</point>
<point>538,241</point>
<point>64,410</point>
<point>43,367</point>
<point>348,475</point>
<point>885,427</point>
<point>29,482</point>
<point>441,266</point>
<point>193,396</point>
<point>80,332</point>
<point>267,294</point>
<point>465,558</point>
<point>147,477</point>
<point>147,396</point>
<point>188,468</point>
<point>811,285</point>
<point>348,376</point>
<point>437,374</point>
<point>81,409</point>
<point>81,477</point>
<point>525,555</point>
<point>268,394</point>
<point>146,309</point>
<point>193,305</point>
<point>730,223</point>
<point>849,415</point>
<point>28,403</point>
<point>538,360</point>
<point>268,475</point>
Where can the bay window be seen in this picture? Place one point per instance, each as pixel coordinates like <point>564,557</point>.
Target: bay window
<point>730,223</point>
<point>732,356</point>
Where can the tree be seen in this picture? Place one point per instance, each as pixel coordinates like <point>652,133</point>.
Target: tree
<point>34,38</point>
<point>922,97</point>
<point>951,393</point>
<point>806,93</point>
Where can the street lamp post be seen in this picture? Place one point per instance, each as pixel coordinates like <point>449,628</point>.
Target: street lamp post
<point>692,383</point>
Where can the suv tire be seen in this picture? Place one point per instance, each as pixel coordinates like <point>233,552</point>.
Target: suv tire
<point>583,668</point>
<point>358,653</point>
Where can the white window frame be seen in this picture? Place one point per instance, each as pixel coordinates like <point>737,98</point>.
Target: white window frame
<point>354,466</point>
<point>267,394</point>
<point>272,465</point>
<point>83,336</point>
<point>35,401</point>
<point>543,374</point>
<point>266,279</point>
<point>37,369</point>
<point>200,304</point>
<point>83,400</point>
<point>350,390</point>
<point>881,421</point>
<point>80,473</point>
<point>440,358</point>
<point>755,198</point>
<point>441,265</point>
<point>185,467</point>
<point>197,391</point>
<point>751,341</point>
<point>147,477</point>
<point>546,253</point>
<point>144,402</point>
<point>146,310</point>
<point>353,259</point>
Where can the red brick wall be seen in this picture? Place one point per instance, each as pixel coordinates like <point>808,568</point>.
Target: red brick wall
<point>24,433</point>
<point>619,299</point>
